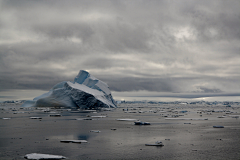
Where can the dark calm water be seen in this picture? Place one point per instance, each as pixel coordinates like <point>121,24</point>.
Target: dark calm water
<point>182,139</point>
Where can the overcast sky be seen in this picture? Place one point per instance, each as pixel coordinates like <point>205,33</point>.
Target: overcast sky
<point>174,46</point>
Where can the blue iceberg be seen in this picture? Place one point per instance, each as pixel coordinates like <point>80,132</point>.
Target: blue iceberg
<point>85,92</point>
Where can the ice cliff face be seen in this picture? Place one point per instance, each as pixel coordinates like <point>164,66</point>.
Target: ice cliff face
<point>85,92</point>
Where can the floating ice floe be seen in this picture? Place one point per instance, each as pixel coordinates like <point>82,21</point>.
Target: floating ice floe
<point>35,117</point>
<point>126,119</point>
<point>130,112</point>
<point>79,119</point>
<point>46,110</point>
<point>18,112</point>
<point>141,123</point>
<point>98,116</point>
<point>84,111</point>
<point>186,118</point>
<point>6,118</point>
<point>234,116</point>
<point>158,143</point>
<point>218,126</point>
<point>95,131</point>
<point>107,109</point>
<point>221,116</point>
<point>73,141</point>
<point>39,156</point>
<point>55,115</point>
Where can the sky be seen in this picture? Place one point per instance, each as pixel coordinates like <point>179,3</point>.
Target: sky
<point>141,49</point>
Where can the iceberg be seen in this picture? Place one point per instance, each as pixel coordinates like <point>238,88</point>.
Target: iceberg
<point>85,92</point>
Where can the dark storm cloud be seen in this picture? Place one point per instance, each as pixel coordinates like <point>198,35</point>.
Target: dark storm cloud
<point>164,46</point>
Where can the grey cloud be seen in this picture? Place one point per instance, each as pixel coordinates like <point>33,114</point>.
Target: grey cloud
<point>208,90</point>
<point>163,46</point>
<point>137,84</point>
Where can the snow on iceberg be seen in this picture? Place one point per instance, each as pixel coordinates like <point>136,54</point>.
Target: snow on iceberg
<point>84,92</point>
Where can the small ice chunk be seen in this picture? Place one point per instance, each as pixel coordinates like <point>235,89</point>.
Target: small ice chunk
<point>38,156</point>
<point>221,116</point>
<point>218,126</point>
<point>79,119</point>
<point>55,115</point>
<point>158,143</point>
<point>107,109</point>
<point>86,111</point>
<point>35,117</point>
<point>234,116</point>
<point>126,119</point>
<point>98,116</point>
<point>95,131</point>
<point>141,123</point>
<point>73,141</point>
<point>6,118</point>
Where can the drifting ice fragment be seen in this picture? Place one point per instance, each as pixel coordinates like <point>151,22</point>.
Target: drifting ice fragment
<point>158,143</point>
<point>95,131</point>
<point>84,111</point>
<point>55,115</point>
<point>126,119</point>
<point>6,118</point>
<point>234,116</point>
<point>73,141</point>
<point>221,116</point>
<point>98,116</point>
<point>79,119</point>
<point>39,156</point>
<point>87,119</point>
<point>218,126</point>
<point>35,118</point>
<point>141,123</point>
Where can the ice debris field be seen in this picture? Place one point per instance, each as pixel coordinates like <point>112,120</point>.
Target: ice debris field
<point>132,130</point>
